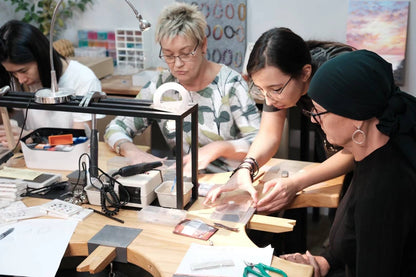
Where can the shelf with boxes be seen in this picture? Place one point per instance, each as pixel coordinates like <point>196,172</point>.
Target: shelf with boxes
<point>132,47</point>
<point>96,43</point>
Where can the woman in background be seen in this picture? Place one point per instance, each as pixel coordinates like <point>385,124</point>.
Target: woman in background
<point>227,115</point>
<point>360,108</point>
<point>25,66</point>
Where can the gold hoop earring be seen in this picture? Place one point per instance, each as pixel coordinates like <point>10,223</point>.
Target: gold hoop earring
<point>358,132</point>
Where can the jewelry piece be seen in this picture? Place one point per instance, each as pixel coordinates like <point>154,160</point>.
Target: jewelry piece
<point>217,5</point>
<point>208,55</point>
<point>216,27</point>
<point>238,59</point>
<point>358,132</point>
<point>209,31</point>
<point>240,35</point>
<point>216,50</point>
<point>117,148</point>
<point>230,5</point>
<point>202,7</point>
<point>242,9</point>
<point>230,60</point>
<point>227,33</point>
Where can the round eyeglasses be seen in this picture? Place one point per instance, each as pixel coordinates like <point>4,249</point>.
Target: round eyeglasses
<point>182,57</point>
<point>272,95</point>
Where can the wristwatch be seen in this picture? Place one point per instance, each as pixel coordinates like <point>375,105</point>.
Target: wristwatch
<point>117,147</point>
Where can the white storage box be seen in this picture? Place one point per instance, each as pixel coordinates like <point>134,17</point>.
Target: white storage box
<point>57,160</point>
<point>141,187</point>
<point>167,196</point>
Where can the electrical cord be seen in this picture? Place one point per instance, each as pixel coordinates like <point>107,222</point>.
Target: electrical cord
<point>109,200</point>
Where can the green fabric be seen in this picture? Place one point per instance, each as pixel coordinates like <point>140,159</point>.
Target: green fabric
<point>360,85</point>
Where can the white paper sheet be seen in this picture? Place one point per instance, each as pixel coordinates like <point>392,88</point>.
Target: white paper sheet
<point>198,254</point>
<point>35,247</point>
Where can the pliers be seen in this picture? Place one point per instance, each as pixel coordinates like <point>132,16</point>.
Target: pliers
<point>259,270</point>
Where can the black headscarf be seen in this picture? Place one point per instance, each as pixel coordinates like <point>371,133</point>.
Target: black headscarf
<point>360,85</point>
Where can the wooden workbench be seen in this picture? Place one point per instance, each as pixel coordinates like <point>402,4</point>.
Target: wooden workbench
<point>159,251</point>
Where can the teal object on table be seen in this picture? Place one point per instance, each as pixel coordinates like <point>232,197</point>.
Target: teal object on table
<point>260,270</point>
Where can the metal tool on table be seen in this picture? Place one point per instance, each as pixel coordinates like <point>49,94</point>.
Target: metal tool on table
<point>260,270</point>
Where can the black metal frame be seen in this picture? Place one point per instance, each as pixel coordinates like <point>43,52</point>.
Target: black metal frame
<point>126,107</point>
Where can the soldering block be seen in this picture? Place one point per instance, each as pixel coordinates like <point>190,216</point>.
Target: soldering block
<point>141,187</point>
<point>115,236</point>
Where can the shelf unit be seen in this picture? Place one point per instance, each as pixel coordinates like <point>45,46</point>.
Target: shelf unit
<point>132,48</point>
<point>126,107</point>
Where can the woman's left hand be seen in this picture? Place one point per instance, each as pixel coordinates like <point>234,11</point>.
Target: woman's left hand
<point>280,192</point>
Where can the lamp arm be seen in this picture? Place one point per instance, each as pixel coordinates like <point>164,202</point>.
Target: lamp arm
<point>144,24</point>
<point>54,82</point>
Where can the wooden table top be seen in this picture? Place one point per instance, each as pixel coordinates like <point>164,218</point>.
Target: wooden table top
<point>160,252</point>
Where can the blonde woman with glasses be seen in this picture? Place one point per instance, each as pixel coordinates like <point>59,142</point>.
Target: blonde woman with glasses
<point>228,117</point>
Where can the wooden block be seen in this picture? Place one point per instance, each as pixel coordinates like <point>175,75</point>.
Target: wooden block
<point>98,259</point>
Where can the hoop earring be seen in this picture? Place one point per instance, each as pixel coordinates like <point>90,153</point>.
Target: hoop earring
<point>358,132</point>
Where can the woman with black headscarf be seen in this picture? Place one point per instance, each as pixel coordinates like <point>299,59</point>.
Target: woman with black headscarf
<point>359,107</point>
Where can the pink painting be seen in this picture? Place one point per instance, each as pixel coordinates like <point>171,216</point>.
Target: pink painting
<point>380,26</point>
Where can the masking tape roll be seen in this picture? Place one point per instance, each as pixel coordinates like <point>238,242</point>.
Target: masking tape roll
<point>172,106</point>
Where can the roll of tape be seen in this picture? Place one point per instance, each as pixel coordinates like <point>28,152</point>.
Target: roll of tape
<point>172,106</point>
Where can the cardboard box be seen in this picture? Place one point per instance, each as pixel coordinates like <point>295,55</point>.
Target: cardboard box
<point>101,66</point>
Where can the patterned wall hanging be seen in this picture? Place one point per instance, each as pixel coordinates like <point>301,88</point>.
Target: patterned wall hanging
<point>226,30</point>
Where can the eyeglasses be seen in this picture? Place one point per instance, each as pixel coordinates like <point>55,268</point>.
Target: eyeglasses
<point>183,57</point>
<point>255,91</point>
<point>316,116</point>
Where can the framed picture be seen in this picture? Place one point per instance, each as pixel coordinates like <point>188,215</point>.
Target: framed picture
<point>381,27</point>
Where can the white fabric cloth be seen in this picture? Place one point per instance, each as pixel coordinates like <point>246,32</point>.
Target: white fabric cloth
<point>77,77</point>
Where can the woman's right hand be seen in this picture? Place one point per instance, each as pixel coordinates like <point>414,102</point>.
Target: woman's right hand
<point>240,180</point>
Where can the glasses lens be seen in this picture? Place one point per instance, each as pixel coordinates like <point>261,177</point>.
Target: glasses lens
<point>255,91</point>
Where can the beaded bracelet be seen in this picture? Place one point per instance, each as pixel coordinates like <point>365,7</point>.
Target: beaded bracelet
<point>250,164</point>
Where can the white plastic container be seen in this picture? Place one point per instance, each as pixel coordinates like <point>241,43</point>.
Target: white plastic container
<point>167,196</point>
<point>56,160</point>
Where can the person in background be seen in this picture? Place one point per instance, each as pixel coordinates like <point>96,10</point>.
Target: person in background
<point>25,66</point>
<point>281,66</point>
<point>360,108</point>
<point>228,118</point>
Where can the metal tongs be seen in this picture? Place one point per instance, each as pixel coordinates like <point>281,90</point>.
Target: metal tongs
<point>92,95</point>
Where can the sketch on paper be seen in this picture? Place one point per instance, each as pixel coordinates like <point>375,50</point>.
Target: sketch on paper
<point>380,26</point>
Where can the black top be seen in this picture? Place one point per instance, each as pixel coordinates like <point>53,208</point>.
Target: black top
<point>374,231</point>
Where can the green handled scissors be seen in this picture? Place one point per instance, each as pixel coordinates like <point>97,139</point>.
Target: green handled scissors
<point>261,270</point>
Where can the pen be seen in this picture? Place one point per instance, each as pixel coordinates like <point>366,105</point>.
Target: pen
<point>3,235</point>
<point>109,216</point>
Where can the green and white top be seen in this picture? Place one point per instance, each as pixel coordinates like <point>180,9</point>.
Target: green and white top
<point>226,112</point>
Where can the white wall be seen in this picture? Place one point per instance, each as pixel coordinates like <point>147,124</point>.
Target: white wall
<point>311,19</point>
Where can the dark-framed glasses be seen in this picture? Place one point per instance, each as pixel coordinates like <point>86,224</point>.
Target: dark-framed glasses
<point>182,57</point>
<point>256,91</point>
<point>314,114</point>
